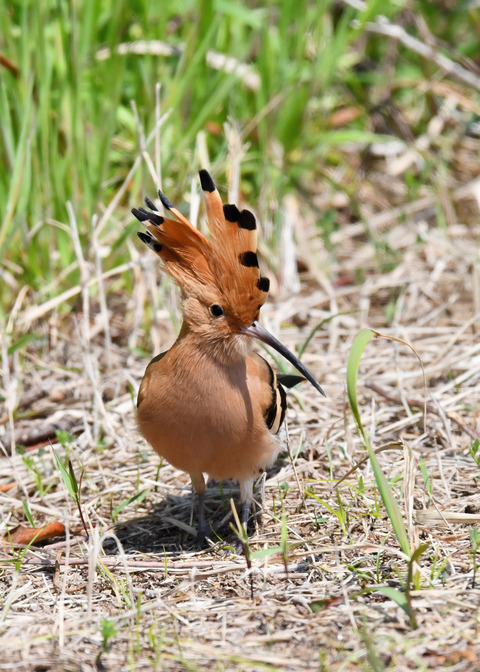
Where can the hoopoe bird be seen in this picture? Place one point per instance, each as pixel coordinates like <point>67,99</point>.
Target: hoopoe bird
<point>210,405</point>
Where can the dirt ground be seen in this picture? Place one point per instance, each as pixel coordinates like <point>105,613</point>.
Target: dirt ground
<point>137,595</point>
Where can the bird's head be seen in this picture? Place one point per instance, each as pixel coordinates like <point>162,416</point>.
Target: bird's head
<point>219,278</point>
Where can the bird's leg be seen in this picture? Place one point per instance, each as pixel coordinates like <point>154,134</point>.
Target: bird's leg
<point>245,515</point>
<point>246,497</point>
<point>202,523</point>
<point>198,483</point>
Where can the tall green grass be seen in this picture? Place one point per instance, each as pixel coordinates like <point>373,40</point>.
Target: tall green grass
<point>69,132</point>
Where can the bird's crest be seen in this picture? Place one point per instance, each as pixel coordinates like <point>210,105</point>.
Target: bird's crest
<point>226,264</point>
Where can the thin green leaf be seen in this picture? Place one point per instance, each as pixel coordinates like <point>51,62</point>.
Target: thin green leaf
<point>139,497</point>
<point>65,476</point>
<point>397,596</point>
<point>28,515</point>
<point>23,340</point>
<point>265,552</point>
<point>391,505</point>
<point>354,357</point>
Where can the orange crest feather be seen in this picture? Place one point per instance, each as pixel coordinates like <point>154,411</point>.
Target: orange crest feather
<point>227,264</point>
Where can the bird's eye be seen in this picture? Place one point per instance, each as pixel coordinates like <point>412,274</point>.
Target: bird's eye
<point>216,310</point>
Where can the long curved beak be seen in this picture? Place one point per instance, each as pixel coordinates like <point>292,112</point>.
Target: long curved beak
<point>257,331</point>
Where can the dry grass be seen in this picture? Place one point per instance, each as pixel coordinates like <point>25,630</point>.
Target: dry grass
<point>174,608</point>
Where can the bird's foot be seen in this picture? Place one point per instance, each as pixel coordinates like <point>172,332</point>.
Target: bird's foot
<point>202,534</point>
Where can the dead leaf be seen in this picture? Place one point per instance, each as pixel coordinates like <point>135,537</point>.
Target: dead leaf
<point>344,116</point>
<point>7,487</point>
<point>21,535</point>
<point>454,657</point>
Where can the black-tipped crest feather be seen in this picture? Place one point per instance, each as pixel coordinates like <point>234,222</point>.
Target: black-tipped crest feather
<point>165,202</point>
<point>228,263</point>
<point>156,219</point>
<point>231,212</point>
<point>206,181</point>
<point>247,221</point>
<point>248,259</point>
<point>141,216</point>
<point>151,204</point>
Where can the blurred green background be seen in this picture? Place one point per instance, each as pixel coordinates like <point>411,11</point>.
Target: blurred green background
<point>306,82</point>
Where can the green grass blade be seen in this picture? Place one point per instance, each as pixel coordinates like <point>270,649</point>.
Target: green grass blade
<point>65,476</point>
<point>397,596</point>
<point>356,351</point>
<point>139,497</point>
<point>391,505</point>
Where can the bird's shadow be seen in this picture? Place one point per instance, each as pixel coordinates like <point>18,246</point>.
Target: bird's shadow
<point>171,526</point>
